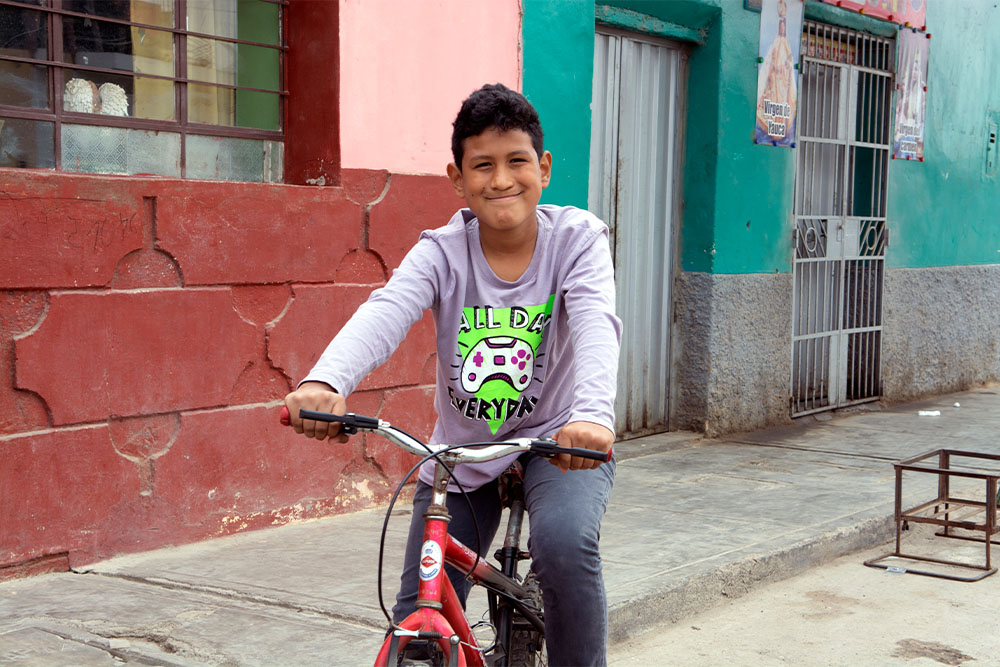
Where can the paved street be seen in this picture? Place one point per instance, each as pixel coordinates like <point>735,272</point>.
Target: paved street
<point>838,613</point>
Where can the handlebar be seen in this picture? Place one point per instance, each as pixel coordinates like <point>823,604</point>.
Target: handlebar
<point>469,453</point>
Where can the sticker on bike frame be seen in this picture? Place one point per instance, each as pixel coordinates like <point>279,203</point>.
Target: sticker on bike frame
<point>430,560</point>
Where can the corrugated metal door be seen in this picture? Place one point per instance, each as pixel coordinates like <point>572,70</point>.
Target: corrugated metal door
<point>636,139</point>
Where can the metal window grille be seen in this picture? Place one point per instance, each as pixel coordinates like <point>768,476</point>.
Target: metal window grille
<point>127,143</point>
<point>840,234</point>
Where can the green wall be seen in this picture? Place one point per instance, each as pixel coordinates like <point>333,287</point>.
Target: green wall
<point>737,213</point>
<point>558,76</point>
<point>946,210</point>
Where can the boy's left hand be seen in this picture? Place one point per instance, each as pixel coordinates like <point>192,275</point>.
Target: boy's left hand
<point>585,435</point>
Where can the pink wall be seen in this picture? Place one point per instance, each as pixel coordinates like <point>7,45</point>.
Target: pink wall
<point>406,67</point>
<point>148,329</point>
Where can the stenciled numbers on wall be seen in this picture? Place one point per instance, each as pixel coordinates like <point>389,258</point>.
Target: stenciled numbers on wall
<point>636,139</point>
<point>840,234</point>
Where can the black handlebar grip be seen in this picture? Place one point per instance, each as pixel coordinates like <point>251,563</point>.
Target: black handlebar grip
<point>604,457</point>
<point>549,448</point>
<point>324,416</point>
<point>350,422</point>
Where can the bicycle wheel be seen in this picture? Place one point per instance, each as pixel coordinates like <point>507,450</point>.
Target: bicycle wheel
<point>527,644</point>
<point>420,653</point>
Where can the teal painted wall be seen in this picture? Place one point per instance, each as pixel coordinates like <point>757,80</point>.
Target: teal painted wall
<point>737,215</point>
<point>558,52</point>
<point>754,183</point>
<point>725,174</point>
<point>946,210</point>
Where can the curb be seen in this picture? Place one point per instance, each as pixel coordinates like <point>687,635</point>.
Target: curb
<point>700,592</point>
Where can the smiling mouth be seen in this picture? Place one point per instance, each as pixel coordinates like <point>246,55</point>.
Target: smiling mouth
<point>504,197</point>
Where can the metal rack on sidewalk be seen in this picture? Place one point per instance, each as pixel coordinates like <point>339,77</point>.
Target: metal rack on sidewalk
<point>951,512</point>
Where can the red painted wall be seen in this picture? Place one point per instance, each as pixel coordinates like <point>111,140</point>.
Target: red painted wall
<point>148,328</point>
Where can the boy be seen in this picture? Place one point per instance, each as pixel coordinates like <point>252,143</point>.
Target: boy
<point>527,346</point>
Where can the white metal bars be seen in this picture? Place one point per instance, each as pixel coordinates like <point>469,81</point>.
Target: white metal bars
<point>840,231</point>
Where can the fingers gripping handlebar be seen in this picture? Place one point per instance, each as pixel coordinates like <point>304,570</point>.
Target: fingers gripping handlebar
<point>351,423</point>
<point>548,448</point>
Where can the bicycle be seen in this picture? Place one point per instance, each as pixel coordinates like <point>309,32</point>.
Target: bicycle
<point>439,626</point>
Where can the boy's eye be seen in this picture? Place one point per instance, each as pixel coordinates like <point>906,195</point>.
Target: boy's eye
<point>480,165</point>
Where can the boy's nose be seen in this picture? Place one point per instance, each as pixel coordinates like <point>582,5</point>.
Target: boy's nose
<point>502,179</point>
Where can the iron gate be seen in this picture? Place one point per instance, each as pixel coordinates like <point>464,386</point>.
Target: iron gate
<point>840,234</point>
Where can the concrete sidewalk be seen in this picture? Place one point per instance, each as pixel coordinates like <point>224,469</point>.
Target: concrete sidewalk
<point>692,521</point>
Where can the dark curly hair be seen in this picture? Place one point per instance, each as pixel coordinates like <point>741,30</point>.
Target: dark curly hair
<point>495,105</point>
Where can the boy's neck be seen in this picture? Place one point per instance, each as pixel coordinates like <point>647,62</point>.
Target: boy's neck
<point>509,253</point>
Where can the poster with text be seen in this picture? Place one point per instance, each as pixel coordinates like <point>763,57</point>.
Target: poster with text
<point>777,78</point>
<point>911,95</point>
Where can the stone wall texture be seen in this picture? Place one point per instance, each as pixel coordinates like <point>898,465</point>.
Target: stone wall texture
<point>942,330</point>
<point>732,351</point>
<point>150,327</point>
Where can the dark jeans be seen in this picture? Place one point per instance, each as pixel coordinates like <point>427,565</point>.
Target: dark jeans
<point>564,515</point>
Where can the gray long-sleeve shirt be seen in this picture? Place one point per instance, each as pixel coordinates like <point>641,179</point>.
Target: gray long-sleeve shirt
<point>514,359</point>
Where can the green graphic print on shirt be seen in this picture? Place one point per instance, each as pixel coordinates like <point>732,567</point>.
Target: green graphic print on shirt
<point>498,355</point>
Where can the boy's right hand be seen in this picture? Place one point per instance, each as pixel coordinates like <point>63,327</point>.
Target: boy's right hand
<point>320,397</point>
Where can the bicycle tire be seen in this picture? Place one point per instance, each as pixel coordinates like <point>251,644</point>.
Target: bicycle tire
<point>422,654</point>
<point>527,644</point>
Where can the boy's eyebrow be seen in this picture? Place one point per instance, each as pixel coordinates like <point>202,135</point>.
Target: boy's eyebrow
<point>485,156</point>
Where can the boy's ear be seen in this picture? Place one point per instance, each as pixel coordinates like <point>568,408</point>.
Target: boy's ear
<point>545,165</point>
<point>455,176</point>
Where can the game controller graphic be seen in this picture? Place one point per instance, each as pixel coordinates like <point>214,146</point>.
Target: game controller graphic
<point>498,358</point>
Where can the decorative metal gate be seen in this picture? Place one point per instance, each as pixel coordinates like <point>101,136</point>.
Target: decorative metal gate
<point>636,140</point>
<point>840,235</point>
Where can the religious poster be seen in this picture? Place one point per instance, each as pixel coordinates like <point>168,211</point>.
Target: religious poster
<point>777,78</point>
<point>911,95</point>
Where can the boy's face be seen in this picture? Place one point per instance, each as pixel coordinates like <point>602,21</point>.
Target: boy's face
<point>501,178</point>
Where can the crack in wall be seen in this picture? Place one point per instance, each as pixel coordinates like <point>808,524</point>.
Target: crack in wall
<point>368,210</point>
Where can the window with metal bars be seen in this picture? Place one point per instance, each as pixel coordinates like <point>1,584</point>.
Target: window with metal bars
<point>190,88</point>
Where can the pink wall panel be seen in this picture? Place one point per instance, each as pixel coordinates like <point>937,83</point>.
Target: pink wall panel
<point>405,69</point>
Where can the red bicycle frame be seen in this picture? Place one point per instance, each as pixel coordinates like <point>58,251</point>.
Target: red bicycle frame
<point>439,611</point>
<point>439,615</point>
